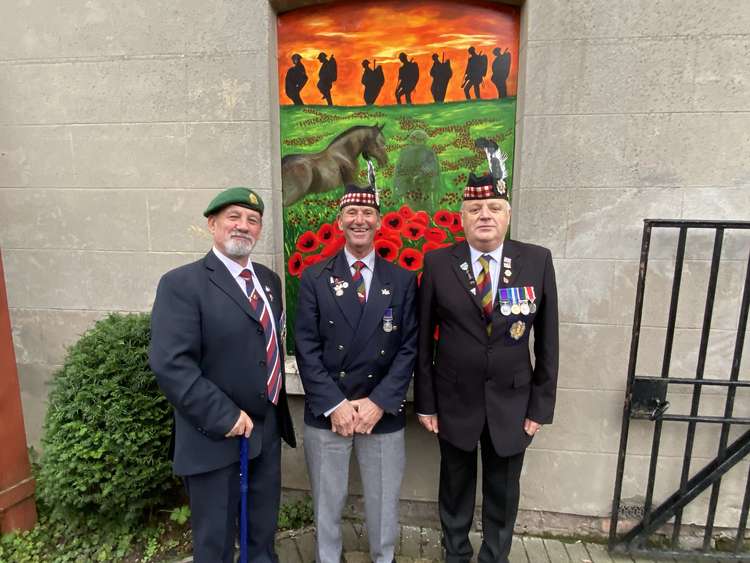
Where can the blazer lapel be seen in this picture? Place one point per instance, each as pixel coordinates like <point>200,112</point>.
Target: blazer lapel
<point>272,298</point>
<point>221,278</point>
<point>378,300</point>
<point>462,267</point>
<point>345,297</point>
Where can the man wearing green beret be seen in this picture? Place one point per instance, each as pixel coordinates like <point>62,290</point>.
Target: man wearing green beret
<point>216,351</point>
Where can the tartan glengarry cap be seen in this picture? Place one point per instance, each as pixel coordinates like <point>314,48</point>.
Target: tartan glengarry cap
<point>354,195</point>
<point>484,187</point>
<point>244,197</point>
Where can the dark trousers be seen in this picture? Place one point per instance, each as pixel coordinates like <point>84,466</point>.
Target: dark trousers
<point>215,503</point>
<point>500,495</point>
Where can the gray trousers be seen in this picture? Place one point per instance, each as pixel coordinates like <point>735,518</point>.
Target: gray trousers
<point>381,460</point>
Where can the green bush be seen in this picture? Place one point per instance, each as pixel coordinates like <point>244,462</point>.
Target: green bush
<point>107,427</point>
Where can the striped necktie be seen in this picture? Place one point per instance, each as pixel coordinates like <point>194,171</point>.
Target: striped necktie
<point>273,359</point>
<point>484,289</point>
<point>359,281</point>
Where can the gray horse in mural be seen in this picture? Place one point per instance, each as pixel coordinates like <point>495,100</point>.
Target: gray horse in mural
<point>333,167</point>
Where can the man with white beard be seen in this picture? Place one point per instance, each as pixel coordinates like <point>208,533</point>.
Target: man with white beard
<point>217,354</point>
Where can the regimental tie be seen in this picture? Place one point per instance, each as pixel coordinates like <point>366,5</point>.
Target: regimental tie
<point>484,289</point>
<point>359,281</point>
<point>273,358</point>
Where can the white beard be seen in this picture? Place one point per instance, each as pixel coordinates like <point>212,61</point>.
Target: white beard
<point>239,248</point>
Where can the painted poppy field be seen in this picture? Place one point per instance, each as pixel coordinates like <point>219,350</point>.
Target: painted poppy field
<point>414,220</point>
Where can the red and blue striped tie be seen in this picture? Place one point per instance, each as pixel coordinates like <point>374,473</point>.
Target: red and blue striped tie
<point>359,281</point>
<point>273,359</point>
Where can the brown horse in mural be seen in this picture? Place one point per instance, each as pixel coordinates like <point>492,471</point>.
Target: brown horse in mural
<point>337,165</point>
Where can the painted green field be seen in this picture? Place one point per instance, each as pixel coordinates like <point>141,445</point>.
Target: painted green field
<point>450,130</point>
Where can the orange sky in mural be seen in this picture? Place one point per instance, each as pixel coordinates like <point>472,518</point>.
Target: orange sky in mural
<point>381,30</point>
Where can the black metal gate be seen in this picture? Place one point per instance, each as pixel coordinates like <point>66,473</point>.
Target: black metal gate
<point>646,399</point>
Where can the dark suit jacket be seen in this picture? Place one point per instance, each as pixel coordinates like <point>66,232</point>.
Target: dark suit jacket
<point>343,350</point>
<point>466,376</point>
<point>208,354</point>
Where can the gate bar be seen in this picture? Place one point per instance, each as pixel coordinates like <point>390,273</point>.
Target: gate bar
<point>688,381</point>
<point>729,406</point>
<point>743,516</point>
<point>705,331</point>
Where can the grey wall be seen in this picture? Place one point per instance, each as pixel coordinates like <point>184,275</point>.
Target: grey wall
<point>119,122</point>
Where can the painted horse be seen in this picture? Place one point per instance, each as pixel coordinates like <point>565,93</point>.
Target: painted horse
<point>336,166</point>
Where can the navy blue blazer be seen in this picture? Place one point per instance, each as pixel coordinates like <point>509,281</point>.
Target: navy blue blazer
<point>208,354</point>
<point>345,350</point>
<point>468,377</point>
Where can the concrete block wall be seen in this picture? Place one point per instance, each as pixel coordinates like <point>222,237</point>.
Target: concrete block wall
<point>119,122</point>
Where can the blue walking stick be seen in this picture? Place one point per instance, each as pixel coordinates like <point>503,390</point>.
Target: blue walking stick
<point>243,499</point>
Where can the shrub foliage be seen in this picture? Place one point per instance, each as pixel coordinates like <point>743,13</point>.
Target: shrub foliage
<point>107,427</point>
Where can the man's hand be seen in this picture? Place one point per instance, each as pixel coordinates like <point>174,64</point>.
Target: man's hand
<point>243,426</point>
<point>531,427</point>
<point>369,415</point>
<point>429,421</point>
<point>344,419</point>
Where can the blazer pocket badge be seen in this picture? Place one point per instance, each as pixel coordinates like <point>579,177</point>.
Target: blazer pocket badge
<point>339,286</point>
<point>385,291</point>
<point>517,330</point>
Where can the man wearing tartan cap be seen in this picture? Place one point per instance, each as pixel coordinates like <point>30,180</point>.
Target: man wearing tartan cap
<point>356,335</point>
<point>475,385</point>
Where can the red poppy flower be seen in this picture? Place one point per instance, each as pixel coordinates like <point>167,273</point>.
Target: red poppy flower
<point>429,246</point>
<point>295,264</point>
<point>393,221</point>
<point>325,233</point>
<point>308,242</point>
<point>443,218</point>
<point>421,217</point>
<point>411,259</point>
<point>312,259</point>
<point>386,249</point>
<point>405,211</point>
<point>391,236</point>
<point>433,234</point>
<point>456,226</point>
<point>336,244</point>
<point>413,230</point>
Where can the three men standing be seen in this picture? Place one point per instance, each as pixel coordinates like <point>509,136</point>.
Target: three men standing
<point>356,335</point>
<point>216,352</point>
<point>475,385</point>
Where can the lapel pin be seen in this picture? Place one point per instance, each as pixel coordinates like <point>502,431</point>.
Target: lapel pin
<point>505,280</point>
<point>508,273</point>
<point>473,290</point>
<point>464,266</point>
<point>268,293</point>
<point>385,291</point>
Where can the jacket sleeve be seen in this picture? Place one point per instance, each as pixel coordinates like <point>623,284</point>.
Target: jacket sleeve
<point>321,392</point>
<point>391,391</point>
<point>175,355</point>
<point>546,350</point>
<point>424,391</point>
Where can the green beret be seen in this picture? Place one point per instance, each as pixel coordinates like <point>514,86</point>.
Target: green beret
<point>244,197</point>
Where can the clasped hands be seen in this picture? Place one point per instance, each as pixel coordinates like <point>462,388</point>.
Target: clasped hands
<point>359,415</point>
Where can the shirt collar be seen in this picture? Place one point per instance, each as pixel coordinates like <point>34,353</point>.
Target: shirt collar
<point>369,260</point>
<point>234,268</point>
<point>497,254</point>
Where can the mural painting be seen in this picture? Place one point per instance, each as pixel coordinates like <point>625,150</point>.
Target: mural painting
<point>411,95</point>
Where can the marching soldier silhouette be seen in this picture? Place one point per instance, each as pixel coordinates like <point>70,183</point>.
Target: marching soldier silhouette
<point>476,69</point>
<point>372,79</point>
<point>500,71</point>
<point>327,75</point>
<point>408,76</point>
<point>296,78</point>
<point>441,73</point>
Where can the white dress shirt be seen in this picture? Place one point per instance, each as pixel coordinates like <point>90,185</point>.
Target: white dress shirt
<point>497,256</point>
<point>369,261</point>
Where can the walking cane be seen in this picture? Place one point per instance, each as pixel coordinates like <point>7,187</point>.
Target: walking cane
<point>243,499</point>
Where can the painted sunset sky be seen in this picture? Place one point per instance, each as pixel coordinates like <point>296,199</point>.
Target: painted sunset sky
<point>354,31</point>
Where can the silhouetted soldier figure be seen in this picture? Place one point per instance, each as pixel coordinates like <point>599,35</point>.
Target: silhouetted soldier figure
<point>327,75</point>
<point>476,69</point>
<point>441,73</point>
<point>408,76</point>
<point>296,78</point>
<point>500,71</point>
<point>373,80</point>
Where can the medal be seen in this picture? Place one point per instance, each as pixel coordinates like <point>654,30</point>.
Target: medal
<point>532,298</point>
<point>517,330</point>
<point>505,309</point>
<point>388,320</point>
<point>525,309</point>
<point>504,304</point>
<point>515,297</point>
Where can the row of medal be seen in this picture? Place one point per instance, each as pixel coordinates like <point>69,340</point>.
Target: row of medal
<point>517,300</point>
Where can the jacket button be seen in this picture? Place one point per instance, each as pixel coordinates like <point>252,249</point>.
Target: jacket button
<point>369,376</point>
<point>342,373</point>
<point>261,395</point>
<point>340,346</point>
<point>330,323</point>
<point>262,363</point>
<point>382,352</point>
